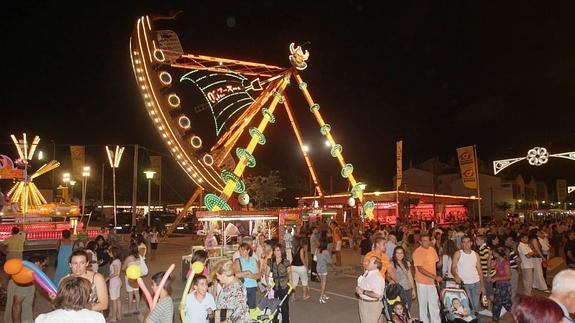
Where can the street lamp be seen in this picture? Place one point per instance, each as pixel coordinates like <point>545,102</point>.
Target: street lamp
<point>66,178</point>
<point>305,148</point>
<point>149,177</point>
<point>85,175</point>
<point>72,183</point>
<point>114,158</point>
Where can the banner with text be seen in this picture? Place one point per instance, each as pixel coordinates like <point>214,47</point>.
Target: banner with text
<point>561,190</point>
<point>398,163</point>
<point>78,159</point>
<point>466,156</point>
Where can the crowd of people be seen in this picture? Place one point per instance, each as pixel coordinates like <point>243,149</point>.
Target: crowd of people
<point>88,278</point>
<point>498,266</point>
<point>492,264</point>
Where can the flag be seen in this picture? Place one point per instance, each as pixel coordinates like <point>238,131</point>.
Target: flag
<point>398,162</point>
<point>466,156</point>
<point>156,165</point>
<point>78,155</point>
<point>561,185</point>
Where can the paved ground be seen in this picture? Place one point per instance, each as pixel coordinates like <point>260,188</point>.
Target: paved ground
<point>342,306</point>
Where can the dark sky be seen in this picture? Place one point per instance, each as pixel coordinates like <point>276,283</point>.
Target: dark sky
<point>437,74</point>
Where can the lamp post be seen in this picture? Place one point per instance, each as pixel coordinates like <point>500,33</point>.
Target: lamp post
<point>85,175</point>
<point>114,158</point>
<point>149,177</point>
<point>72,184</point>
<point>66,180</point>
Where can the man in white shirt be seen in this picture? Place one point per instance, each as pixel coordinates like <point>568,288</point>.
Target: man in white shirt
<point>466,269</point>
<point>527,267</point>
<point>370,288</point>
<point>563,293</point>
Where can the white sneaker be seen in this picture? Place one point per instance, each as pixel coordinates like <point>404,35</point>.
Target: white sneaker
<point>486,313</point>
<point>503,311</point>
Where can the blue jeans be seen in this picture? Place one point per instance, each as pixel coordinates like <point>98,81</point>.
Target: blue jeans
<point>474,293</point>
<point>251,291</point>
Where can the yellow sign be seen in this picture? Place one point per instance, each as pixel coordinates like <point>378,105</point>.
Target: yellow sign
<point>399,163</point>
<point>466,156</point>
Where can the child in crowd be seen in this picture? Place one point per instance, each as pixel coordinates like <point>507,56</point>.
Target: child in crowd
<point>164,310</point>
<point>323,259</point>
<point>400,315</point>
<point>199,303</point>
<point>115,285</point>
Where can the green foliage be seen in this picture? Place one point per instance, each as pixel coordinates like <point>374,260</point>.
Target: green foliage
<point>264,190</point>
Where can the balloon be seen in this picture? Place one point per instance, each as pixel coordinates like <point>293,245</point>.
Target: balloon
<point>51,293</point>
<point>198,267</point>
<point>146,292</point>
<point>24,277</point>
<point>13,266</point>
<point>244,198</point>
<point>134,272</point>
<point>161,285</point>
<point>42,275</point>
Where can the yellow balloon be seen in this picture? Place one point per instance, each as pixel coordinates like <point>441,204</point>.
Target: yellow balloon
<point>198,267</point>
<point>133,272</point>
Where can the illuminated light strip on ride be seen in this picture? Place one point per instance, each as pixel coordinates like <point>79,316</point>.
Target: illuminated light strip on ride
<point>214,183</point>
<point>160,110</point>
<point>321,123</point>
<point>346,169</point>
<point>247,116</point>
<point>240,167</point>
<point>174,150</point>
<point>308,161</point>
<point>395,192</point>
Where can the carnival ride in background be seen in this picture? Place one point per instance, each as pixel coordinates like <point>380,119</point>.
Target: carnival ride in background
<point>234,94</point>
<point>26,205</point>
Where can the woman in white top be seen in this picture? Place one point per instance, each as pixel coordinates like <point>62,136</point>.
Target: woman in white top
<point>72,303</point>
<point>448,250</point>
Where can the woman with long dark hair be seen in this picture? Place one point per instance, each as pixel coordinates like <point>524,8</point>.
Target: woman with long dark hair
<point>402,269</point>
<point>299,265</point>
<point>280,268</point>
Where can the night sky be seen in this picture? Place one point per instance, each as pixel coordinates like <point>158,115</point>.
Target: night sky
<point>438,75</point>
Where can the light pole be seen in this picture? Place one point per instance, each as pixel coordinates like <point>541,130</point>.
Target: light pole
<point>114,158</point>
<point>66,180</point>
<point>149,177</point>
<point>72,184</point>
<point>85,175</point>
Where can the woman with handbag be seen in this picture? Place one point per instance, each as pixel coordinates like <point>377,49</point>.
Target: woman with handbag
<point>232,299</point>
<point>280,269</point>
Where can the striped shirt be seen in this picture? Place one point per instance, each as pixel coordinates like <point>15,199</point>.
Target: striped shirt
<point>485,255</point>
<point>513,263</point>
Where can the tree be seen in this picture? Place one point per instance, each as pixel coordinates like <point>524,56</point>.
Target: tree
<point>264,190</point>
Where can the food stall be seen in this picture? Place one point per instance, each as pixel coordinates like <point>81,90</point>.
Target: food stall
<point>227,225</point>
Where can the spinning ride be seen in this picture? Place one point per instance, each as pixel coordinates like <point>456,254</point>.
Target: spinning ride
<point>235,95</point>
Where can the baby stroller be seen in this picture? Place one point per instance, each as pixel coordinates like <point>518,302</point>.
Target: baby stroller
<point>395,305</point>
<point>455,304</point>
<point>268,308</point>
